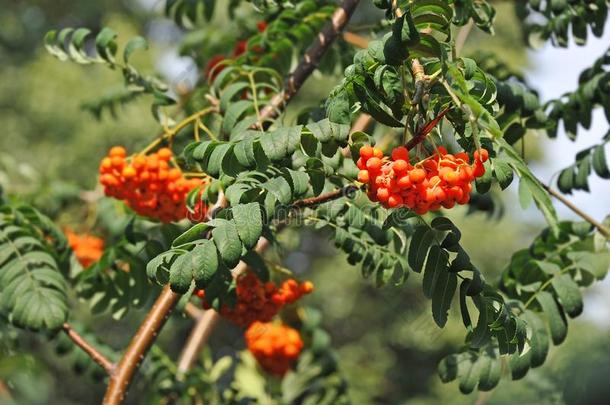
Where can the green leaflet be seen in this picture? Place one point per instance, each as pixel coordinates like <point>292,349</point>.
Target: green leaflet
<point>530,182</point>
<point>70,44</point>
<point>554,315</point>
<point>251,149</point>
<point>249,223</point>
<point>33,289</point>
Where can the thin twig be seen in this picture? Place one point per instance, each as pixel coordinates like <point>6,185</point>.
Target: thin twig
<point>196,340</point>
<point>355,39</point>
<point>604,230</point>
<point>192,311</point>
<point>362,123</point>
<point>91,351</point>
<point>421,135</point>
<point>123,373</point>
<point>462,35</point>
<point>322,198</point>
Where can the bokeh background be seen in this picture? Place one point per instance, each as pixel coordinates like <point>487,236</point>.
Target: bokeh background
<point>389,346</point>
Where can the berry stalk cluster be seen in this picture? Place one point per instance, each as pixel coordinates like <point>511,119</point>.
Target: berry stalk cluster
<point>88,249</point>
<point>149,185</point>
<point>257,301</point>
<point>275,347</point>
<point>440,180</point>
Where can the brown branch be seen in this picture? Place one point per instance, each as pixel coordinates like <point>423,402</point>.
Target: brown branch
<point>604,230</point>
<point>355,39</point>
<point>196,340</point>
<point>362,123</point>
<point>91,351</point>
<point>462,35</point>
<point>309,62</point>
<point>192,311</point>
<point>123,373</point>
<point>322,198</point>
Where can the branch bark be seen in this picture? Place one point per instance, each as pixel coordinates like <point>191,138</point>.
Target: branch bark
<point>322,198</point>
<point>604,230</point>
<point>309,62</point>
<point>123,373</point>
<point>85,346</point>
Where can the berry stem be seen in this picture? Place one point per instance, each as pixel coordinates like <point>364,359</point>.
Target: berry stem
<point>91,351</point>
<point>421,135</point>
<point>170,133</point>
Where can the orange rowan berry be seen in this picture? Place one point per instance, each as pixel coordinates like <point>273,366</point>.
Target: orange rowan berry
<point>88,249</point>
<point>129,172</point>
<point>417,175</point>
<point>366,152</point>
<point>400,166</point>
<point>378,153</point>
<point>306,287</point>
<point>383,194</point>
<point>404,182</point>
<point>117,151</point>
<point>374,164</point>
<point>275,347</point>
<point>363,176</point>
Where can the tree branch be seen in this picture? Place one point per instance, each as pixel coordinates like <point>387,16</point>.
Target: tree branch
<point>123,373</point>
<point>309,62</point>
<point>322,198</point>
<point>604,230</point>
<point>91,351</point>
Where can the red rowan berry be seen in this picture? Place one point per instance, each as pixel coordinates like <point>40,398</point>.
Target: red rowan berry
<point>400,153</point>
<point>481,155</point>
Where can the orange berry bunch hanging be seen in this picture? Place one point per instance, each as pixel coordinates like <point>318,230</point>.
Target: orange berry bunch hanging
<point>275,347</point>
<point>88,249</point>
<point>257,301</point>
<point>441,180</point>
<point>148,184</point>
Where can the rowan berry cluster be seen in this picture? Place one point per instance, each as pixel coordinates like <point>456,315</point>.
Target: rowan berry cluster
<point>257,301</point>
<point>149,185</point>
<point>275,347</point>
<point>88,249</point>
<point>441,180</point>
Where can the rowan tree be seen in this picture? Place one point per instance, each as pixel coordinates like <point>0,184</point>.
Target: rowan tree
<point>412,129</point>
